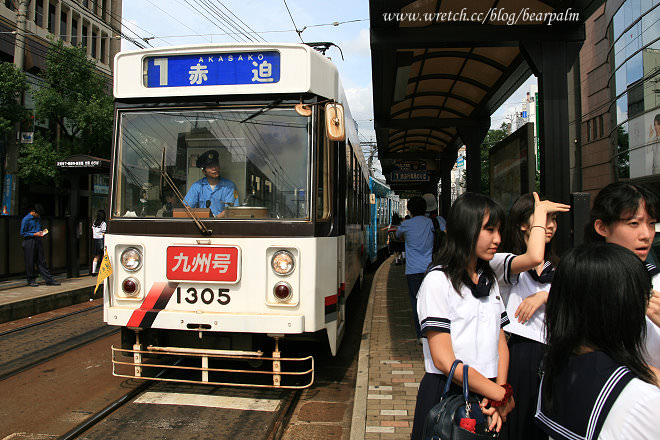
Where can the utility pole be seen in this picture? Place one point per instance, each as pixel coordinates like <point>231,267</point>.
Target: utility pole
<point>19,46</point>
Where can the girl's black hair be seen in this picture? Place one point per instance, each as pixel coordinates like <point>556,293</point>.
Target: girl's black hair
<point>463,228</point>
<point>598,300</point>
<point>100,217</point>
<point>513,238</point>
<point>619,201</point>
<point>396,219</point>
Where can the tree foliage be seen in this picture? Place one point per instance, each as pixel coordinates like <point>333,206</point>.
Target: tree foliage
<point>12,86</point>
<point>492,138</point>
<point>74,102</point>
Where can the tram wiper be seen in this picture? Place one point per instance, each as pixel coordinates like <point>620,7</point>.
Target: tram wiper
<point>166,177</point>
<point>263,110</point>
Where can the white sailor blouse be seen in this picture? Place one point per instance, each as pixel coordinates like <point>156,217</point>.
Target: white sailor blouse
<point>653,331</point>
<point>515,288</point>
<point>595,398</point>
<point>474,323</point>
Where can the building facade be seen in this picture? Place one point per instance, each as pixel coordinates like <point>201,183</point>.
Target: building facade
<point>92,24</point>
<point>620,95</point>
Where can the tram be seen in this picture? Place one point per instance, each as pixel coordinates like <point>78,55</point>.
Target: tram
<point>384,203</point>
<point>232,279</point>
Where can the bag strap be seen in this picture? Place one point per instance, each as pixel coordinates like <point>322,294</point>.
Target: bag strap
<point>450,376</point>
<point>466,389</point>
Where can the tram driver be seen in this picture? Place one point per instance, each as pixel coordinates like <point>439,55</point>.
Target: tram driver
<point>211,191</point>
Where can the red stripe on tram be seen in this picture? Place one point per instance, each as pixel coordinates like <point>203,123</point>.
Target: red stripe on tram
<point>157,289</point>
<point>330,300</point>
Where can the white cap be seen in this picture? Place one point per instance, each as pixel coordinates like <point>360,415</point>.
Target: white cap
<point>431,202</point>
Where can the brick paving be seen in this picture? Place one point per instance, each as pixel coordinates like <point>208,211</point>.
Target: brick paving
<point>395,361</point>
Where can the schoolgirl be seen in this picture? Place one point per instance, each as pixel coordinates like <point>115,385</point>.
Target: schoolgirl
<point>524,271</point>
<point>98,235</point>
<point>461,313</point>
<point>596,383</point>
<point>625,214</point>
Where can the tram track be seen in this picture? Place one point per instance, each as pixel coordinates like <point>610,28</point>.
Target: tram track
<point>28,346</point>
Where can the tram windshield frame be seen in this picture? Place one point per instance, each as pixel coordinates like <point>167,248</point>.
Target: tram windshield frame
<point>264,154</point>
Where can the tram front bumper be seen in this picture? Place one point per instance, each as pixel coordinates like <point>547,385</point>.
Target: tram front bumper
<point>206,321</point>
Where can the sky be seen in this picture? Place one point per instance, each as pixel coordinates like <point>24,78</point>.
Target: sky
<point>181,22</point>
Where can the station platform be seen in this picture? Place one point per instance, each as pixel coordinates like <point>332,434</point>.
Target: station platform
<point>390,363</point>
<point>18,300</point>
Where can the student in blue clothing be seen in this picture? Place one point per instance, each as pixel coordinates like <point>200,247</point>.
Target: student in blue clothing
<point>212,191</point>
<point>418,235</point>
<point>33,248</point>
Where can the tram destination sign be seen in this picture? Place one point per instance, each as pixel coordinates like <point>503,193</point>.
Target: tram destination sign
<point>212,69</point>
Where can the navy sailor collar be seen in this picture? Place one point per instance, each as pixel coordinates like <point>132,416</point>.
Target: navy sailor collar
<point>583,394</point>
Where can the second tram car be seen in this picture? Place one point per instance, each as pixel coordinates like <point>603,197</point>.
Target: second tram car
<point>271,251</point>
<point>383,204</point>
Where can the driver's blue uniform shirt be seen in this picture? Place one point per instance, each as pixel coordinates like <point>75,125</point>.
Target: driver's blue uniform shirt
<point>225,192</point>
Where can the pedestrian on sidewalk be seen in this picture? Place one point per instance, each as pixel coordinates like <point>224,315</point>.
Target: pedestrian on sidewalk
<point>395,246</point>
<point>461,314</point>
<point>596,383</point>
<point>98,234</point>
<point>625,214</point>
<point>439,222</point>
<point>33,248</point>
<point>418,235</point>
<point>524,268</point>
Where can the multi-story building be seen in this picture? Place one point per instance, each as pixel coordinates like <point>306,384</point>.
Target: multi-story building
<point>620,95</point>
<point>93,24</point>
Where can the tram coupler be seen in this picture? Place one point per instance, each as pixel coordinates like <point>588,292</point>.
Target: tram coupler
<point>277,363</point>
<point>137,355</point>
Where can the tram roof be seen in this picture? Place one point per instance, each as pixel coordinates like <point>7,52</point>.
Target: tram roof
<point>434,78</point>
<point>301,70</point>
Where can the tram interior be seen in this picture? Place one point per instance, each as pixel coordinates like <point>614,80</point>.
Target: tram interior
<point>267,159</point>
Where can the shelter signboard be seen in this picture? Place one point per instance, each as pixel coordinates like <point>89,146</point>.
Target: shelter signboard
<point>409,171</point>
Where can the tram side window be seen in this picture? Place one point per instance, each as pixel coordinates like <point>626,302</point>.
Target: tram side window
<point>263,164</point>
<point>325,172</point>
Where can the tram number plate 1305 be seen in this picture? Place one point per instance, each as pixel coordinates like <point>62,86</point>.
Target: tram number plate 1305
<point>206,296</point>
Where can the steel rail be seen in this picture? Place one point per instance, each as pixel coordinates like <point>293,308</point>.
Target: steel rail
<point>34,324</point>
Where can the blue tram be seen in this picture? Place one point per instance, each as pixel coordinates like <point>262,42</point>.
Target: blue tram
<point>383,203</point>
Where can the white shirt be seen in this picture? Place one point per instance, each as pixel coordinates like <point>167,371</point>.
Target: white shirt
<point>653,335</point>
<point>98,231</point>
<point>635,414</point>
<point>515,288</point>
<point>474,323</point>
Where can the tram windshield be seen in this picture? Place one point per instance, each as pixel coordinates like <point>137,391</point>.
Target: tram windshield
<point>239,163</point>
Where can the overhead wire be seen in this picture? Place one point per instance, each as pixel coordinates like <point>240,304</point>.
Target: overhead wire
<point>294,23</point>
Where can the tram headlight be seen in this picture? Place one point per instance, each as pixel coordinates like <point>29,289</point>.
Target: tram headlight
<point>282,263</point>
<point>131,259</point>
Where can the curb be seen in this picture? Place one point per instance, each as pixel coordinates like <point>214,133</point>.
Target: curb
<point>34,306</point>
<point>359,420</point>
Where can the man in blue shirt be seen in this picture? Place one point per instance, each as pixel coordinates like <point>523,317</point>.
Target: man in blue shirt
<point>212,191</point>
<point>418,235</point>
<point>33,248</point>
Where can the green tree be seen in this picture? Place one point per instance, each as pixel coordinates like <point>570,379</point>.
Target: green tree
<point>492,138</point>
<point>73,100</point>
<point>12,86</point>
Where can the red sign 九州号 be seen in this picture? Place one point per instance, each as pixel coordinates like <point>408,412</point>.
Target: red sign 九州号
<point>196,263</point>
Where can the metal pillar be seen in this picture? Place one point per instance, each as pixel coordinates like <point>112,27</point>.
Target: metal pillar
<point>472,136</point>
<point>551,60</point>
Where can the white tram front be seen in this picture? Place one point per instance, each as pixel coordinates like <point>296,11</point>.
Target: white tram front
<point>279,260</point>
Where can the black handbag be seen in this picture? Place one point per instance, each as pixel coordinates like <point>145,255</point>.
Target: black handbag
<point>443,421</point>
